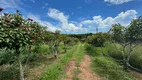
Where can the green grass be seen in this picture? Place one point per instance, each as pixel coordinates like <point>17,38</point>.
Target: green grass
<point>55,71</point>
<point>107,67</point>
<point>35,59</point>
<point>80,51</point>
<point>135,59</point>
<point>44,49</point>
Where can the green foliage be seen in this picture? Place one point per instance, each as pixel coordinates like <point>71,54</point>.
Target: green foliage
<point>92,51</point>
<point>136,58</point>
<point>128,38</point>
<point>54,71</point>
<point>16,32</point>
<point>114,50</point>
<point>6,56</point>
<point>98,39</point>
<point>109,69</point>
<point>118,33</point>
<point>80,51</point>
<point>9,72</point>
<point>44,49</point>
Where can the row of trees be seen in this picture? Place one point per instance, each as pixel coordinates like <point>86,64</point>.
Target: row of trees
<point>17,32</point>
<point>128,37</point>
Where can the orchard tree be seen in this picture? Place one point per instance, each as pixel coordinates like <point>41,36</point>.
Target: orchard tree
<point>53,40</point>
<point>16,32</point>
<point>98,40</point>
<point>66,41</point>
<point>128,37</point>
<point>49,39</point>
<point>57,40</point>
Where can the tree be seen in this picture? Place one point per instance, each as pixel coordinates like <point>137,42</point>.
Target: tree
<point>66,41</point>
<point>16,32</point>
<point>98,40</point>
<point>53,40</point>
<point>57,40</point>
<point>128,37</point>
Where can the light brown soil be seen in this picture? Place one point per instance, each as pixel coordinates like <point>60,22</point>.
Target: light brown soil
<point>136,74</point>
<point>69,69</point>
<point>86,73</point>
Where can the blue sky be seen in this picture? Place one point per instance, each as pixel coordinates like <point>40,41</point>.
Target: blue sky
<point>76,16</point>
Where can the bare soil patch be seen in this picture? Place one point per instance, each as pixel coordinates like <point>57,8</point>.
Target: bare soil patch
<point>136,74</point>
<point>70,67</point>
<point>86,73</point>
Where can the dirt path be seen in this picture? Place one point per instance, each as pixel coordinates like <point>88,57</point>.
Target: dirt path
<point>85,69</point>
<point>69,69</point>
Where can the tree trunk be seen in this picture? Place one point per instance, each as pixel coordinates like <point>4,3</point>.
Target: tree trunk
<point>124,58</point>
<point>20,65</point>
<point>65,48</point>
<point>102,51</point>
<point>55,55</point>
<point>28,55</point>
<point>129,54</point>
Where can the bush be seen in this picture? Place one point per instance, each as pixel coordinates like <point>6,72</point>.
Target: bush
<point>9,72</point>
<point>114,50</point>
<point>92,51</point>
<point>44,49</point>
<point>135,59</point>
<point>6,56</point>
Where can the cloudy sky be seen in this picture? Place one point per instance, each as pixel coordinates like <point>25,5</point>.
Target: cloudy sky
<point>76,16</point>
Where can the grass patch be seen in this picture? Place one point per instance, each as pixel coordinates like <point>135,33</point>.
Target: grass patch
<point>55,71</point>
<point>107,67</point>
<point>79,54</point>
<point>115,52</point>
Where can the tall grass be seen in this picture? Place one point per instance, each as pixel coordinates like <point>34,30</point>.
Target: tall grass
<point>115,51</point>
<point>9,68</point>
<point>54,71</point>
<point>107,67</point>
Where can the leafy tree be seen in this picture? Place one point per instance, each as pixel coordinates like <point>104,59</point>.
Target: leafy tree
<point>66,40</point>
<point>128,37</point>
<point>98,40</point>
<point>16,32</point>
<point>53,40</point>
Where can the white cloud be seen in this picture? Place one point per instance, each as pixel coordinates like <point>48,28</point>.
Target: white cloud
<point>63,19</point>
<point>84,26</point>
<point>118,1</point>
<point>9,3</point>
<point>47,24</point>
<point>123,18</point>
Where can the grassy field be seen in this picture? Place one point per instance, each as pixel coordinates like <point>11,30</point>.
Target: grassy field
<point>43,66</point>
<point>56,71</point>
<point>135,59</point>
<point>107,67</point>
<point>37,62</point>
